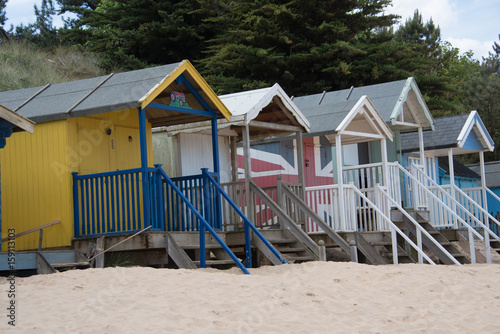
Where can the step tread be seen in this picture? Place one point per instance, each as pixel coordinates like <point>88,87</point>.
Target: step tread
<point>291,250</point>
<point>299,258</point>
<point>210,246</point>
<point>215,262</point>
<point>70,264</point>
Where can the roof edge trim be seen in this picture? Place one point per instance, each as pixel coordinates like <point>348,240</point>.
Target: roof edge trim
<point>398,108</point>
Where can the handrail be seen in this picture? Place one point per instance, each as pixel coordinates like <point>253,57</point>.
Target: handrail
<point>419,228</point>
<point>477,206</point>
<point>397,229</point>
<point>453,213</point>
<point>317,219</point>
<point>202,220</point>
<point>246,221</point>
<point>470,229</point>
<point>31,230</point>
<point>116,172</point>
<point>376,164</point>
<point>454,200</point>
<point>305,239</point>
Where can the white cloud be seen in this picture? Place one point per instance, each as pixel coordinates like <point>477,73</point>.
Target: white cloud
<point>442,12</point>
<point>480,48</point>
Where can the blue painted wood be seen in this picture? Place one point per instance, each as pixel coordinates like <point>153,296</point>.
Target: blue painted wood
<point>202,247</point>
<point>87,206</point>
<point>144,167</point>
<point>138,192</point>
<point>108,208</point>
<point>123,217</point>
<point>76,211</point>
<point>182,79</point>
<point>113,206</point>
<point>92,204</point>
<point>245,219</point>
<point>183,110</point>
<point>103,207</point>
<point>127,184</point>
<point>204,222</point>
<point>117,172</point>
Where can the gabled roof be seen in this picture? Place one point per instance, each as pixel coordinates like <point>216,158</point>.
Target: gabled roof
<point>464,133</point>
<point>268,112</point>
<point>15,120</point>
<point>252,103</point>
<point>133,89</point>
<point>357,120</point>
<point>400,103</point>
<point>458,169</point>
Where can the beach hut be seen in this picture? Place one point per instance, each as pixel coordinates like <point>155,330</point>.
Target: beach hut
<point>454,135</point>
<point>10,122</point>
<point>90,163</point>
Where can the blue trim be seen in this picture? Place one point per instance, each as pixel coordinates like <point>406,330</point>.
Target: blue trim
<point>246,221</point>
<point>144,167</point>
<point>202,220</point>
<point>76,212</point>
<point>116,172</point>
<point>182,110</point>
<point>183,79</point>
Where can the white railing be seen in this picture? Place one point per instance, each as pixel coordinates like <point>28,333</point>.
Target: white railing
<point>369,175</point>
<point>359,216</point>
<point>452,209</point>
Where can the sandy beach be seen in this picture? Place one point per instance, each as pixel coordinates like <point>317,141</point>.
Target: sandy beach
<point>313,297</point>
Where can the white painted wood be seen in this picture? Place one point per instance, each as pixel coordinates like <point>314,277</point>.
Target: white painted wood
<point>196,153</point>
<point>338,152</point>
<point>248,172</point>
<point>300,162</point>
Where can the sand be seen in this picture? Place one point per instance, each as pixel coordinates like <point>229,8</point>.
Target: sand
<point>313,297</point>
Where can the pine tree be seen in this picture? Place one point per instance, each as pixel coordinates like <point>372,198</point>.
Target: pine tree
<point>306,46</point>
<point>135,33</point>
<point>482,95</point>
<point>3,19</point>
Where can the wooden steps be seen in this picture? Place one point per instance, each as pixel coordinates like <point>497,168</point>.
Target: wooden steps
<point>431,249</point>
<point>285,243</point>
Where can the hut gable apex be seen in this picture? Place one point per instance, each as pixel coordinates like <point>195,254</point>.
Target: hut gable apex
<point>476,125</point>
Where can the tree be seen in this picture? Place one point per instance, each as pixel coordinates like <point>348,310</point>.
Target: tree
<point>135,33</point>
<point>3,18</point>
<point>42,33</point>
<point>481,94</point>
<point>306,46</point>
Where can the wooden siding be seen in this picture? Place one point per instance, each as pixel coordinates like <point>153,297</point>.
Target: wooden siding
<point>36,170</point>
<point>33,191</point>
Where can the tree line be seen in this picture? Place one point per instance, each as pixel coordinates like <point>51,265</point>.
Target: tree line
<point>307,46</point>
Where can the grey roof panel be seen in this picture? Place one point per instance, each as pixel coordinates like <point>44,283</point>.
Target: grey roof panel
<point>121,91</point>
<point>447,130</point>
<point>327,117</point>
<point>383,96</point>
<point>492,173</point>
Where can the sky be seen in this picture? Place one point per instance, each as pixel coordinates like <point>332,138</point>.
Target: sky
<point>466,24</point>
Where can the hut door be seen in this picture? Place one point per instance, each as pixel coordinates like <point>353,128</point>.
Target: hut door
<point>95,139</point>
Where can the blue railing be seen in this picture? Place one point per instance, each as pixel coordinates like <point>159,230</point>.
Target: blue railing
<point>112,202</point>
<point>200,194</point>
